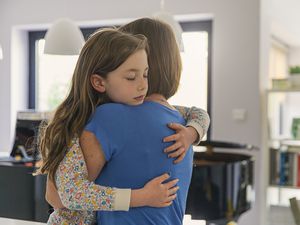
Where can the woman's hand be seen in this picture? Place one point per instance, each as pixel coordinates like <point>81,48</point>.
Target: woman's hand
<point>184,137</point>
<point>52,196</point>
<point>155,193</point>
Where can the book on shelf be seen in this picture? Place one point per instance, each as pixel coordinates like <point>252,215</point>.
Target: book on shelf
<point>284,167</point>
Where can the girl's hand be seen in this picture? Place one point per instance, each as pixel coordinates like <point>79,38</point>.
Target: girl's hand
<point>184,137</point>
<point>155,193</point>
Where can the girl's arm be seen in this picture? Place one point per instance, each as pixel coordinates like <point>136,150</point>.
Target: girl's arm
<point>196,127</point>
<point>78,193</point>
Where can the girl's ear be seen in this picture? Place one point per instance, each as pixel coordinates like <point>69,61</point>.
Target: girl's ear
<point>98,83</point>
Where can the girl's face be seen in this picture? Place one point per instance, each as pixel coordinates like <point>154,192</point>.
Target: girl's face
<point>128,84</point>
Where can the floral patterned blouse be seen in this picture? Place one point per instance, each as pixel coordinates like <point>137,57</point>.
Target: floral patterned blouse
<point>81,197</point>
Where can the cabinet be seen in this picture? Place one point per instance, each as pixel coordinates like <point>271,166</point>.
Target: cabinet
<point>283,110</point>
<point>22,196</point>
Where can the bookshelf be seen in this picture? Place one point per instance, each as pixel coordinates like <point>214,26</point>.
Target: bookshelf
<point>283,109</point>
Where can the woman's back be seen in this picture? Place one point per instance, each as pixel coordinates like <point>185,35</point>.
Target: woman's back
<point>131,139</point>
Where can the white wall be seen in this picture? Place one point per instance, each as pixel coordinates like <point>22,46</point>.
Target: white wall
<point>236,68</point>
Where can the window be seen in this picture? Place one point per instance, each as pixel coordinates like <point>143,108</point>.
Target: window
<point>54,74</point>
<point>50,76</point>
<point>278,61</point>
<point>194,83</point>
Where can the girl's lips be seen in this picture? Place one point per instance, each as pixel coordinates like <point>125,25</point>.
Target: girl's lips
<point>140,98</point>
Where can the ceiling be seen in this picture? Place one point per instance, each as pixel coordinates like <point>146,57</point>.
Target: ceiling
<point>285,21</point>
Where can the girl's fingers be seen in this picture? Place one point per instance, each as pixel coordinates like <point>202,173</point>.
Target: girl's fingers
<point>173,190</point>
<point>173,147</point>
<point>171,197</point>
<point>177,153</point>
<point>172,137</point>
<point>167,204</point>
<point>162,178</point>
<point>180,158</point>
<point>175,126</point>
<point>169,200</point>
<point>171,183</point>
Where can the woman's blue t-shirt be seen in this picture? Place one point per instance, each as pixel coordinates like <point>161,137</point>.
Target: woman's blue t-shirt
<point>132,141</point>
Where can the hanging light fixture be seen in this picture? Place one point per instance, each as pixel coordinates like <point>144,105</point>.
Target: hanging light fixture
<point>169,19</point>
<point>1,53</point>
<point>63,38</point>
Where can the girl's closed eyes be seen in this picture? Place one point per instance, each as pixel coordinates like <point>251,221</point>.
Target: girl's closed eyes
<point>132,76</point>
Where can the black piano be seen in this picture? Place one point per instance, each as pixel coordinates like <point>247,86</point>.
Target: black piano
<point>222,183</point>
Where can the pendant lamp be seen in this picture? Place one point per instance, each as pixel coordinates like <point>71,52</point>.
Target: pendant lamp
<point>1,53</point>
<point>63,38</point>
<point>169,19</point>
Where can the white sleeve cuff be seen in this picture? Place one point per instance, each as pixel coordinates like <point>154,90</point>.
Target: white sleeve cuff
<point>122,200</point>
<point>199,130</point>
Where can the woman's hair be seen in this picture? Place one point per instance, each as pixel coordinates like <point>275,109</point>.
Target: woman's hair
<point>104,51</point>
<point>164,59</point>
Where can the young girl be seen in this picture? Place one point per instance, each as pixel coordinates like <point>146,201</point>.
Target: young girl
<point>104,53</point>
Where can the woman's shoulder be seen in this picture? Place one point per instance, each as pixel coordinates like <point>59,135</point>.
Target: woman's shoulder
<point>108,112</point>
<point>109,107</point>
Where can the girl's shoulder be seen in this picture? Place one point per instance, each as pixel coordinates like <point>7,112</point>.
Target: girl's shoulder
<point>74,151</point>
<point>73,161</point>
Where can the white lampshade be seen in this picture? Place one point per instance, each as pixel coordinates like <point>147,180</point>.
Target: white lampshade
<point>169,19</point>
<point>1,53</point>
<point>63,38</point>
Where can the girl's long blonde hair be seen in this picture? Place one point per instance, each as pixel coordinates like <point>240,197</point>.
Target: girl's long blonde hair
<point>103,52</point>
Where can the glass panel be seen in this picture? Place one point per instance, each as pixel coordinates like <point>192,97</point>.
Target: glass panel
<point>193,84</point>
<point>53,78</point>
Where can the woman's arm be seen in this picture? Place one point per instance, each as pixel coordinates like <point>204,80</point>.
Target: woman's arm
<point>78,193</point>
<point>196,127</point>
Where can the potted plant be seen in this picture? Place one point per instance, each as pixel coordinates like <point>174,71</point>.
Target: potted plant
<point>295,76</point>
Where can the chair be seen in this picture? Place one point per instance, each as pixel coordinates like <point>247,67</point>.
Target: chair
<point>294,203</point>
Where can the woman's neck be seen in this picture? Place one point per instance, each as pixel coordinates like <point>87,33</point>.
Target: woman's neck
<point>156,98</point>
<point>159,99</point>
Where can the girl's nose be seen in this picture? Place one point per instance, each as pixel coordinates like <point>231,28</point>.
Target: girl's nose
<point>143,85</point>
